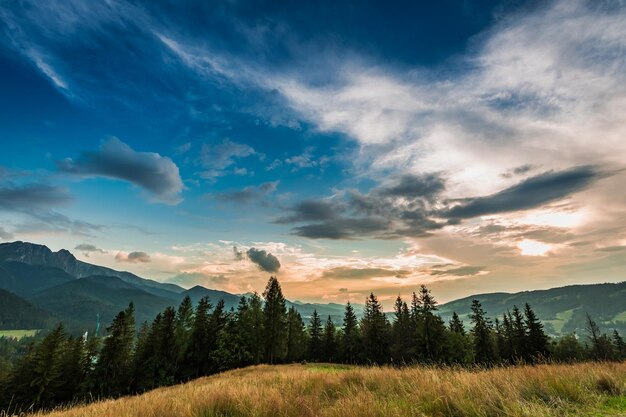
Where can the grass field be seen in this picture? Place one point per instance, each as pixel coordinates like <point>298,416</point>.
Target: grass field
<point>18,334</point>
<point>331,390</point>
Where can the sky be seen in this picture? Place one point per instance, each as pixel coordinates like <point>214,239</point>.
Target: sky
<point>345,147</point>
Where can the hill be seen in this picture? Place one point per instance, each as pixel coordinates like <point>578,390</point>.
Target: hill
<point>562,309</point>
<point>344,391</point>
<point>17,313</point>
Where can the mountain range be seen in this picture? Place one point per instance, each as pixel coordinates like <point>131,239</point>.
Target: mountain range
<point>39,287</point>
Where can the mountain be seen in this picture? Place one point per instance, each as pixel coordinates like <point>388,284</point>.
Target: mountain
<point>82,299</point>
<point>17,313</point>
<point>563,310</point>
<point>197,292</point>
<point>40,255</point>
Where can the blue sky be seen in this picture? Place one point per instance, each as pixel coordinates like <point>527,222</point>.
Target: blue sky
<point>470,145</point>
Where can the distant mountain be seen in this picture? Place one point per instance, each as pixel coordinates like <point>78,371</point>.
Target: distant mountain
<point>197,292</point>
<point>33,254</point>
<point>82,299</point>
<point>17,313</point>
<point>561,309</point>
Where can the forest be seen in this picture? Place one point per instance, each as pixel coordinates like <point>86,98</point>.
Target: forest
<point>193,341</point>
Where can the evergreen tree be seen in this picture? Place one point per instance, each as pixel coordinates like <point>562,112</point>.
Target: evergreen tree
<point>296,336</point>
<point>484,352</point>
<point>401,333</point>
<point>73,371</point>
<point>431,327</point>
<point>459,349</point>
<point>47,370</point>
<point>519,339</point>
<point>601,347</point>
<point>537,340</point>
<point>568,349</point>
<point>197,359</point>
<point>619,346</point>
<point>166,355</point>
<point>375,332</point>
<point>315,338</point>
<point>506,349</point>
<point>350,337</point>
<point>184,325</point>
<point>256,319</point>
<point>275,314</point>
<point>329,342</point>
<point>112,374</point>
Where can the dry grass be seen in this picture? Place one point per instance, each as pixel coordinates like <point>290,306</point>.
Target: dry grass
<point>334,391</point>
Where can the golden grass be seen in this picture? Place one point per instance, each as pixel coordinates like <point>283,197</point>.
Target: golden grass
<point>342,391</point>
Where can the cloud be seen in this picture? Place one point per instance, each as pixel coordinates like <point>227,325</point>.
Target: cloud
<point>154,173</point>
<point>32,197</point>
<point>264,260</point>
<point>530,193</point>
<point>4,235</point>
<point>347,273</point>
<point>190,279</point>
<point>133,257</point>
<point>398,207</point>
<point>239,255</point>
<point>311,210</point>
<point>87,248</point>
<point>248,194</point>
<point>215,158</point>
<point>462,271</point>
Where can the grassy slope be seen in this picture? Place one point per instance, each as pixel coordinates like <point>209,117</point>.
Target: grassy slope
<point>18,334</point>
<point>328,390</point>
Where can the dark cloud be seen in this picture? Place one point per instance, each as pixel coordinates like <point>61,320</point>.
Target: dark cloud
<point>87,248</point>
<point>133,257</point>
<point>32,197</point>
<point>343,290</point>
<point>410,186</point>
<point>346,228</point>
<point>239,255</point>
<point>312,210</point>
<point>612,249</point>
<point>264,260</point>
<point>115,159</point>
<point>520,170</point>
<point>344,272</point>
<point>36,201</point>
<point>462,271</point>
<point>530,193</point>
<point>248,194</point>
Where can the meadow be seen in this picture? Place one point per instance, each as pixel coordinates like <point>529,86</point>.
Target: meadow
<point>584,389</point>
<point>18,334</point>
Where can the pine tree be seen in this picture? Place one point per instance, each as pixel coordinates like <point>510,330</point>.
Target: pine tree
<point>619,346</point>
<point>315,338</point>
<point>432,329</point>
<point>601,347</point>
<point>197,360</point>
<point>375,332</point>
<point>401,333</point>
<point>256,320</point>
<point>459,351</point>
<point>166,355</point>
<point>115,364</point>
<point>184,325</point>
<point>47,371</point>
<point>329,342</point>
<point>296,336</point>
<point>275,314</point>
<point>537,340</point>
<point>350,336</point>
<point>519,339</point>
<point>484,351</point>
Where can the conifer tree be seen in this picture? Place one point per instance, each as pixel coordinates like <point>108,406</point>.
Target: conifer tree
<point>275,314</point>
<point>114,368</point>
<point>350,337</point>
<point>315,337</point>
<point>484,351</point>
<point>197,361</point>
<point>375,331</point>
<point>619,346</point>
<point>456,325</point>
<point>184,325</point>
<point>256,319</point>
<point>459,350</point>
<point>47,370</point>
<point>401,329</point>
<point>297,342</point>
<point>329,342</point>
<point>519,339</point>
<point>432,328</point>
<point>537,343</point>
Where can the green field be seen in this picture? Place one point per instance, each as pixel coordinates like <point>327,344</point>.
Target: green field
<point>18,334</point>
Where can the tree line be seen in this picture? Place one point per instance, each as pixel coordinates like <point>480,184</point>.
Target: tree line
<point>185,343</point>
